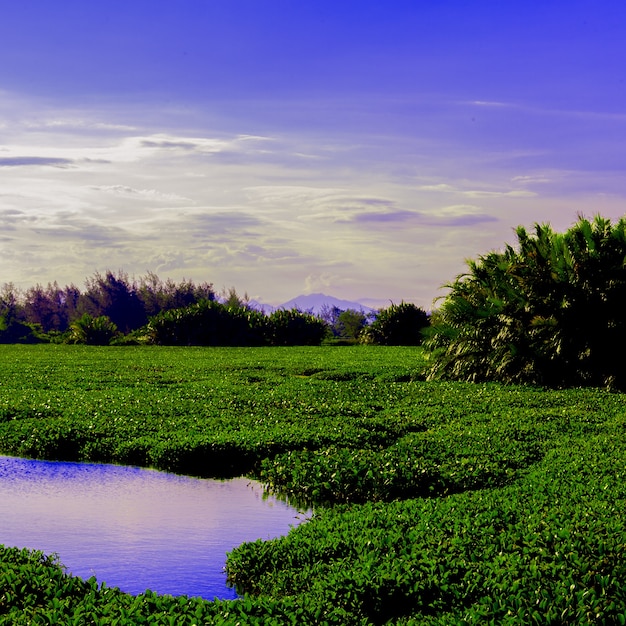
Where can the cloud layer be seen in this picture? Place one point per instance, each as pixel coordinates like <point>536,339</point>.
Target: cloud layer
<point>275,215</point>
<point>352,149</point>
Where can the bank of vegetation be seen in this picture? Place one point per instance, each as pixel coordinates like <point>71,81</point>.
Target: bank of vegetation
<point>477,480</point>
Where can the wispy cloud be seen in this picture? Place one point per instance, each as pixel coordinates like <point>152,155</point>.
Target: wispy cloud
<point>25,161</point>
<point>482,193</point>
<point>479,193</point>
<point>452,216</point>
<point>274,213</point>
<point>143,194</point>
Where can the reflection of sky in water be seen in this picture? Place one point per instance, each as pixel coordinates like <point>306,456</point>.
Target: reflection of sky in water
<point>133,528</point>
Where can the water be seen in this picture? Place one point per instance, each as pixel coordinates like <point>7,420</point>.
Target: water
<point>133,528</point>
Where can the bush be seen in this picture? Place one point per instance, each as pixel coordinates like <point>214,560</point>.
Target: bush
<point>550,312</point>
<point>399,325</point>
<point>294,328</point>
<point>94,331</point>
<point>207,323</point>
<point>15,331</point>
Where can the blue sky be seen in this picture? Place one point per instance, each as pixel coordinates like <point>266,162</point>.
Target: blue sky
<point>361,149</point>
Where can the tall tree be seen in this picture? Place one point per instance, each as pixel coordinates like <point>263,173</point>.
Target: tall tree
<point>114,296</point>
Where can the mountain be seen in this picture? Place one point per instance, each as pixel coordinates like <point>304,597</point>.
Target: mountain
<point>314,303</point>
<point>261,306</point>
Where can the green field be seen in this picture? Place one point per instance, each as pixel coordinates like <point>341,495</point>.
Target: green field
<point>436,502</point>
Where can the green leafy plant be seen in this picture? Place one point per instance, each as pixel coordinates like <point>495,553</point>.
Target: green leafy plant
<point>93,331</point>
<point>398,325</point>
<point>549,312</point>
<point>294,328</point>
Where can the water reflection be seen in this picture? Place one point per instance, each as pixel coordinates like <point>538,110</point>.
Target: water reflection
<point>133,528</point>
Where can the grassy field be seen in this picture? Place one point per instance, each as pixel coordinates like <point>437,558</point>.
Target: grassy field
<point>436,503</point>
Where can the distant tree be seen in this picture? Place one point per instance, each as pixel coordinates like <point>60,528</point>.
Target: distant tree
<point>39,307</point>
<point>157,295</point>
<point>232,300</point>
<point>350,324</point>
<point>153,294</point>
<point>51,307</point>
<point>343,323</point>
<point>10,305</point>
<point>330,314</point>
<point>49,311</point>
<point>548,312</point>
<point>398,325</point>
<point>114,296</point>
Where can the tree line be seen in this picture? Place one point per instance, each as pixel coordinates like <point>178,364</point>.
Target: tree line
<point>114,309</point>
<point>49,312</point>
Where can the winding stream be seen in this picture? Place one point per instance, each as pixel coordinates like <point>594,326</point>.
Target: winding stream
<point>133,528</point>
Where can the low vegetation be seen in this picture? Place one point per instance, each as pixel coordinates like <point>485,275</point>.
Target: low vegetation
<point>436,502</point>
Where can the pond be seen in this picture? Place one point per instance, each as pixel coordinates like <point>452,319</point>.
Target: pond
<point>134,528</point>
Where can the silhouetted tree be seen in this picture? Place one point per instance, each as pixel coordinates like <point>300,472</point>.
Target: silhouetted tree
<point>115,297</point>
<point>51,307</point>
<point>330,314</point>
<point>10,306</point>
<point>157,295</point>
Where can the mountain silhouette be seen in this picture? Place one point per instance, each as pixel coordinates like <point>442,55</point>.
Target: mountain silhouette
<point>315,302</point>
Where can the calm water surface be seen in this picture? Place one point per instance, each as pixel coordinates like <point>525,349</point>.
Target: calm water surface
<point>133,528</point>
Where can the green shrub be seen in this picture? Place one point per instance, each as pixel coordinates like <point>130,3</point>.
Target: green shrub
<point>93,331</point>
<point>398,325</point>
<point>15,331</point>
<point>549,312</point>
<point>294,328</point>
<point>207,323</point>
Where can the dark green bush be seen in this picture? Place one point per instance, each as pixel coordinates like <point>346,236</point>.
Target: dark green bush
<point>549,312</point>
<point>398,325</point>
<point>294,328</point>
<point>93,331</point>
<point>207,323</point>
<point>15,331</point>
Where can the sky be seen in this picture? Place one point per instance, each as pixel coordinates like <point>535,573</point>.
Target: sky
<point>364,149</point>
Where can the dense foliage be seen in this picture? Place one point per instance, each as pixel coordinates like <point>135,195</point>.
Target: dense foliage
<point>398,325</point>
<point>211,323</point>
<point>346,325</point>
<point>42,313</point>
<point>549,312</point>
<point>93,331</point>
<point>443,502</point>
<point>114,309</point>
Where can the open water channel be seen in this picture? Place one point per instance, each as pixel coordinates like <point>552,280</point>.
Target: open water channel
<point>133,528</point>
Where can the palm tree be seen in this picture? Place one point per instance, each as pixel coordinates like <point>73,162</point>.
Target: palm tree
<point>94,331</point>
<point>549,312</point>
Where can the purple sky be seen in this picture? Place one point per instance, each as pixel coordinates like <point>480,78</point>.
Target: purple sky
<point>363,149</point>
